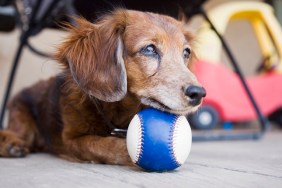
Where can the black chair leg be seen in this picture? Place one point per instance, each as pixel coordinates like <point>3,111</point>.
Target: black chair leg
<point>11,78</point>
<point>23,42</point>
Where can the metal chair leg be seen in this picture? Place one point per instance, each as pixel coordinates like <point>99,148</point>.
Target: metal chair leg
<point>29,28</point>
<point>11,80</point>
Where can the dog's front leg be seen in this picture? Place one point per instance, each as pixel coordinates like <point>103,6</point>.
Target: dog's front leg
<point>109,150</point>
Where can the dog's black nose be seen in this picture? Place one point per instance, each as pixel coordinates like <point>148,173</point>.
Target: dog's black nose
<point>195,94</point>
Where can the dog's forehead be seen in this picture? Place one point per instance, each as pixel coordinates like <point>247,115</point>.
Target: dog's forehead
<point>147,20</point>
<point>145,26</point>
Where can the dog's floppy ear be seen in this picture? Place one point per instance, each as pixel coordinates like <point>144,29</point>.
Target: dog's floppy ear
<point>93,53</point>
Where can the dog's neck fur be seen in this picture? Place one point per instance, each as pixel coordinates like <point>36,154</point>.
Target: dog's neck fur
<point>121,112</point>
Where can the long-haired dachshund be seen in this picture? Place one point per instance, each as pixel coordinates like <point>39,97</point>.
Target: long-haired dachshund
<point>112,68</point>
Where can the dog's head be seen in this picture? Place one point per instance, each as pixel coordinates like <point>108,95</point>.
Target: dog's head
<point>145,54</point>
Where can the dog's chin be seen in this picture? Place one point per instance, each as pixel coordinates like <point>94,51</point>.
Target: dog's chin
<point>161,106</point>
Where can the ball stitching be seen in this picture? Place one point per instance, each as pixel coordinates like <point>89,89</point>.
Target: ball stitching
<point>175,134</point>
<point>139,153</point>
<point>171,139</point>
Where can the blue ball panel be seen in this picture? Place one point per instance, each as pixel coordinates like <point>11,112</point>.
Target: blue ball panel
<point>156,153</point>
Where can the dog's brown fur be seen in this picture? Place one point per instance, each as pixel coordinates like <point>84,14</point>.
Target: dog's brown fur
<point>106,78</point>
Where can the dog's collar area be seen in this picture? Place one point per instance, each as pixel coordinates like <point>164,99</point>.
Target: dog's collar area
<point>121,133</point>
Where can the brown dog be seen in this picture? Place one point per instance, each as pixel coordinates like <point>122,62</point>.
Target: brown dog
<point>125,61</point>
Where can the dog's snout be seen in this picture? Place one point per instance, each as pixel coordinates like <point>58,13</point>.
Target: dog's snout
<point>195,94</point>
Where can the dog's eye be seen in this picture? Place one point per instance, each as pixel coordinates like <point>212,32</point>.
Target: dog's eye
<point>186,53</point>
<point>150,50</point>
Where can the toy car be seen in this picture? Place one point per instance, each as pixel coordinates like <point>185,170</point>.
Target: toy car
<point>226,99</point>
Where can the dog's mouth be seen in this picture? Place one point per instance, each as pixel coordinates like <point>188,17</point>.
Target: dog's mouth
<point>161,106</point>
<point>157,104</point>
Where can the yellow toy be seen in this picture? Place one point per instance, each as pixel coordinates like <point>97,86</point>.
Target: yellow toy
<point>264,24</point>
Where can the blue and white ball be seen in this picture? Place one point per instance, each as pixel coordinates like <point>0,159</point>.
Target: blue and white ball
<point>158,141</point>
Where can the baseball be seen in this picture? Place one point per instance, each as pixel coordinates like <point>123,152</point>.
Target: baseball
<point>158,141</point>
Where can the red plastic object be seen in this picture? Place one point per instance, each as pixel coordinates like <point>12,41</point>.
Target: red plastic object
<point>226,94</point>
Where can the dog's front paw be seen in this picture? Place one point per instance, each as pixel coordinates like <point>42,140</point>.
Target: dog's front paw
<point>17,149</point>
<point>124,156</point>
<point>121,156</point>
<point>12,146</point>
